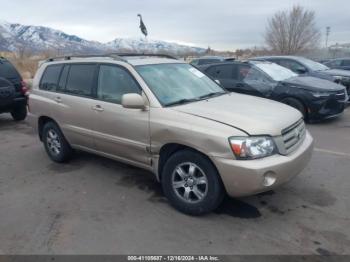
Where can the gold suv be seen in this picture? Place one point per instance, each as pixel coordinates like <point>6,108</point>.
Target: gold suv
<point>164,115</point>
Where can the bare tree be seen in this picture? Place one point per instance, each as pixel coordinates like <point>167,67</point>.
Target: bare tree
<point>291,32</point>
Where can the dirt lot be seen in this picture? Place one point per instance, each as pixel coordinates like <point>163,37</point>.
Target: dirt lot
<point>96,206</point>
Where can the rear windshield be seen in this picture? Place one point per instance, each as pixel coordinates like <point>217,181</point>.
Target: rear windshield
<point>7,70</point>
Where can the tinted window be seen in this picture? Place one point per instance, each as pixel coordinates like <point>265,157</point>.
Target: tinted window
<point>114,82</point>
<point>194,62</point>
<point>80,79</point>
<point>224,72</point>
<point>292,65</point>
<point>50,77</point>
<point>7,70</point>
<point>346,63</point>
<point>211,71</point>
<point>208,61</point>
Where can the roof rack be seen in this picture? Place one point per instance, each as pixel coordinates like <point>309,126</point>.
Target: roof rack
<point>115,56</point>
<point>69,57</point>
<point>144,54</point>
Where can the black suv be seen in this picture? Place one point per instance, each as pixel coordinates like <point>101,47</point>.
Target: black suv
<point>315,98</point>
<point>307,67</point>
<point>13,91</point>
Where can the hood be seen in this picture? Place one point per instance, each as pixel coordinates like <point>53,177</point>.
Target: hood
<point>253,115</point>
<point>313,83</point>
<point>337,72</point>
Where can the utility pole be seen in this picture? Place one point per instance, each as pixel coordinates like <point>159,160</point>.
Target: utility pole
<point>328,30</point>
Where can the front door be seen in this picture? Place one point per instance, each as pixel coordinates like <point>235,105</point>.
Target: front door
<point>120,132</point>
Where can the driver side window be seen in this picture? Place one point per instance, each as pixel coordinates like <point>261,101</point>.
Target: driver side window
<point>294,66</point>
<point>247,74</point>
<point>113,83</point>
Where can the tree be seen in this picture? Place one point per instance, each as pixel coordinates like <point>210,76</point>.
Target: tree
<point>292,32</point>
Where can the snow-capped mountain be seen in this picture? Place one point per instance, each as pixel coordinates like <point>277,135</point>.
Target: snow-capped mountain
<point>15,37</point>
<point>153,46</point>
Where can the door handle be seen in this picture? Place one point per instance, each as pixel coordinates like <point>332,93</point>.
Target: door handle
<point>98,108</point>
<point>58,99</point>
<point>240,85</point>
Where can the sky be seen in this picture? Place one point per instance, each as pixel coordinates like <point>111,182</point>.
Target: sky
<point>220,24</point>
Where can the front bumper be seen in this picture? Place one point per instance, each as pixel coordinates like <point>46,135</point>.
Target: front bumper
<point>246,177</point>
<point>319,109</point>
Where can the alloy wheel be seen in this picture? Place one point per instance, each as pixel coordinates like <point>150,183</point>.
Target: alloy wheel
<point>189,182</point>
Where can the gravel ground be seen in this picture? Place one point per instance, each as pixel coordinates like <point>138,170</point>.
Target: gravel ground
<point>94,205</point>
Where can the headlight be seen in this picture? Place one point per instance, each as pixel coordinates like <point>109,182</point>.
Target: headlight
<point>252,147</point>
<point>320,94</point>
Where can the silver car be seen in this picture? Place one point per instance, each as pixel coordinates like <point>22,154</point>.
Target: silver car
<point>163,115</point>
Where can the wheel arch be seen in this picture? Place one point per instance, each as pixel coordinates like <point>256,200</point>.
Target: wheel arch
<point>167,150</point>
<point>42,120</point>
<point>282,98</point>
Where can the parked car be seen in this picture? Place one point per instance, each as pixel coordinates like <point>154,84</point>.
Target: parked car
<point>13,91</point>
<point>166,116</point>
<point>340,63</point>
<point>322,61</point>
<point>315,98</point>
<point>304,66</point>
<point>207,60</point>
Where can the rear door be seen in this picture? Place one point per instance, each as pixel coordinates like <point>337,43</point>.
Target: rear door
<point>73,102</point>
<point>120,132</point>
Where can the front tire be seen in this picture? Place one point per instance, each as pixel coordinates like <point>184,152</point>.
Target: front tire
<point>191,183</point>
<point>56,145</point>
<point>19,113</point>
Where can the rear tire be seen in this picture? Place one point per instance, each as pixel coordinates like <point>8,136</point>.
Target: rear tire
<point>19,113</point>
<point>55,143</point>
<point>295,103</point>
<point>191,183</point>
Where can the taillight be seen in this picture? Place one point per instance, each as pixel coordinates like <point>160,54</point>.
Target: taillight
<point>24,88</point>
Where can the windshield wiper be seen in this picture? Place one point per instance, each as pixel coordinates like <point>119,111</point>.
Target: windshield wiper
<point>211,95</point>
<point>182,101</point>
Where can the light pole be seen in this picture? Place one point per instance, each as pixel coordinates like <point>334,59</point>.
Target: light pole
<point>328,30</point>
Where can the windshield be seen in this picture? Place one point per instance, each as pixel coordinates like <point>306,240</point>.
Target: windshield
<point>276,72</point>
<point>314,66</point>
<point>173,83</point>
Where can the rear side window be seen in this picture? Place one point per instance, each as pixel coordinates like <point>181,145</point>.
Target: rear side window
<point>7,70</point>
<point>50,78</point>
<point>114,82</point>
<point>80,79</point>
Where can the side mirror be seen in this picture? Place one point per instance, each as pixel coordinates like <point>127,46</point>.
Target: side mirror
<point>301,70</point>
<point>133,101</point>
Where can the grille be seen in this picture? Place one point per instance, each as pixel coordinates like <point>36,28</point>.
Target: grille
<point>293,135</point>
